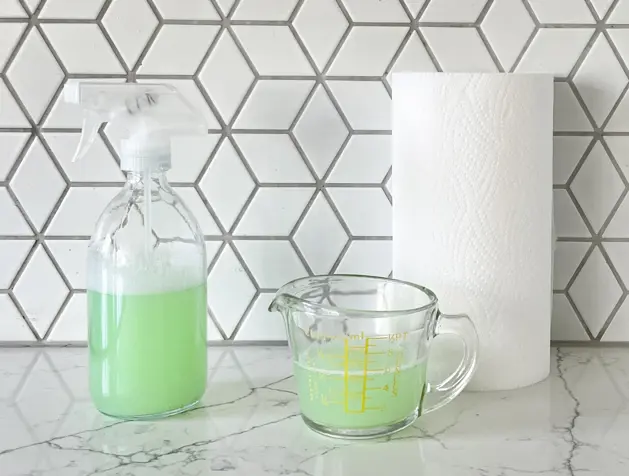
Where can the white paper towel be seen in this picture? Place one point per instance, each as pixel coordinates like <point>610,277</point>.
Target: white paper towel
<point>472,209</point>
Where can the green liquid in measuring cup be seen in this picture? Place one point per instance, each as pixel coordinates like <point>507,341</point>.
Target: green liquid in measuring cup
<point>147,351</point>
<point>346,388</point>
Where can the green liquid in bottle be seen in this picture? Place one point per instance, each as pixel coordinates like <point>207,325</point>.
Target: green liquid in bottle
<point>147,351</point>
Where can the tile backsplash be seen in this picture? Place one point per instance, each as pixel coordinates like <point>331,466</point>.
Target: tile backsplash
<point>295,175</point>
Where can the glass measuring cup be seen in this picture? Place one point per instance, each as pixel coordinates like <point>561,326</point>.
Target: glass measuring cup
<point>360,348</point>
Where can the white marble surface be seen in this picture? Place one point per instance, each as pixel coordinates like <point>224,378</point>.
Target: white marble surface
<point>575,423</point>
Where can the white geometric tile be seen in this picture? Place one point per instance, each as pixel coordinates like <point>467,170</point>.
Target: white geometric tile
<point>188,10</point>
<point>618,146</point>
<point>273,104</point>
<point>11,144</point>
<point>366,211</point>
<point>375,11</point>
<point>619,256</point>
<point>10,113</point>
<point>365,159</point>
<point>12,255</point>
<point>84,9</point>
<point>178,49</point>
<point>71,256</point>
<point>12,222</point>
<point>79,211</point>
<point>568,222</point>
<point>619,121</point>
<point>91,55</point>
<point>600,80</point>
<point>453,11</point>
<point>13,328</point>
<point>260,324</point>
<point>72,324</point>
<point>620,14</point>
<point>366,104</point>
<point>273,50</point>
<point>213,334</point>
<point>226,5</point>
<point>367,51</point>
<point>562,11</point>
<point>227,184</point>
<point>33,4</point>
<point>619,226</point>
<point>211,249</point>
<point>274,211</point>
<point>320,131</point>
<point>40,291</point>
<point>11,9</point>
<point>565,325</point>
<point>371,257</point>
<point>193,201</point>
<point>226,76</point>
<point>554,51</point>
<point>568,255</point>
<point>567,151</point>
<point>9,34</point>
<point>507,43</point>
<point>130,23</point>
<point>273,158</point>
<point>98,166</point>
<point>227,280</point>
<point>273,263</point>
<point>189,155</point>
<point>273,10</point>
<point>35,74</point>
<point>620,38</point>
<point>568,113</point>
<point>595,292</point>
<point>37,184</point>
<point>320,25</point>
<point>618,330</point>
<point>414,6</point>
<point>459,49</point>
<point>597,186</point>
<point>602,6</point>
<point>321,236</point>
<point>414,58</point>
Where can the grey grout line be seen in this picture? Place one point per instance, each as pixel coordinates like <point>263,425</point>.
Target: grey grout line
<point>490,50</point>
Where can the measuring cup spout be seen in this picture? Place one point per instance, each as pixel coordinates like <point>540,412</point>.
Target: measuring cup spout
<point>281,304</point>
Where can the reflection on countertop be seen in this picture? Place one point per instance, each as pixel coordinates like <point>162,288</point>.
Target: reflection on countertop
<point>575,423</point>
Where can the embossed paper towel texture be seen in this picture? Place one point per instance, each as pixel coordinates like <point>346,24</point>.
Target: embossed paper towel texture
<point>472,209</point>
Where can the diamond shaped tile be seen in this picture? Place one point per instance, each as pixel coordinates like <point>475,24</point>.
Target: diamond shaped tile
<point>414,6</point>
<point>320,236</point>
<point>453,11</point>
<point>618,330</point>
<point>189,155</point>
<point>188,10</point>
<point>274,211</point>
<point>227,184</point>
<point>620,14</point>
<point>260,325</point>
<point>619,255</point>
<point>72,324</point>
<point>83,10</point>
<point>194,203</point>
<point>12,222</point>
<point>554,50</point>
<point>226,76</point>
<point>130,23</point>
<point>71,255</point>
<point>10,113</point>
<point>366,159</point>
<point>273,158</point>
<point>565,325</point>
<point>12,255</point>
<point>366,104</point>
<point>40,291</point>
<point>273,104</point>
<point>507,43</point>
<point>619,225</point>
<point>597,186</point>
<point>367,51</point>
<point>213,334</point>
<point>229,290</point>
<point>35,74</point>
<point>273,50</point>
<point>226,5</point>
<point>568,113</point>
<point>10,33</point>
<point>567,152</point>
<point>568,222</point>
<point>375,11</point>
<point>562,11</point>
<point>11,144</point>
<point>371,257</point>
<point>11,9</point>
<point>91,55</point>
<point>602,6</point>
<point>459,49</point>
<point>274,10</point>
<point>33,4</point>
<point>13,328</point>
<point>619,122</point>
<point>37,184</point>
<point>272,263</point>
<point>618,145</point>
<point>320,131</point>
<point>595,292</point>
<point>366,211</point>
<point>178,49</point>
<point>568,255</point>
<point>79,210</point>
<point>600,80</point>
<point>414,58</point>
<point>320,24</point>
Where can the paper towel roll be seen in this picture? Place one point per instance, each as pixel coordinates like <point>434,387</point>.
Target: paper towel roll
<point>472,209</point>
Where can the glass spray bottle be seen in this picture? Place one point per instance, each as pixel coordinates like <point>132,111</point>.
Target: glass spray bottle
<point>146,276</point>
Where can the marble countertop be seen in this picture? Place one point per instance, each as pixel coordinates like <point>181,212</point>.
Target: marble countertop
<point>575,423</point>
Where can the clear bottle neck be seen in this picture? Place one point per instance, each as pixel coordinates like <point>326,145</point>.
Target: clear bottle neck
<point>155,179</point>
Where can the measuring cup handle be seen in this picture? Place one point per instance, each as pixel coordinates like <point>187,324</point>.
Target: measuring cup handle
<point>461,326</point>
